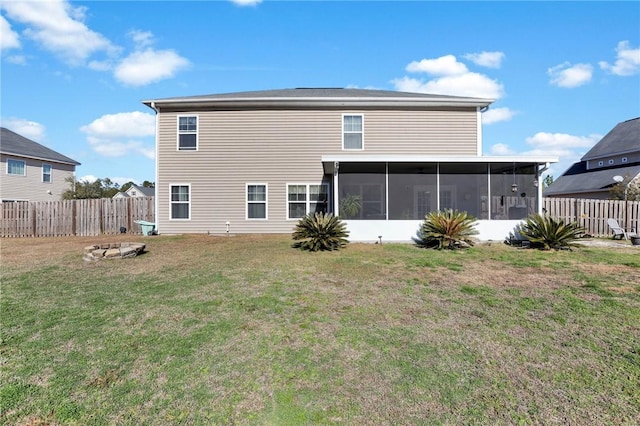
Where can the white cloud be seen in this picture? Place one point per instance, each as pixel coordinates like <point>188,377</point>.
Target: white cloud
<point>9,39</point>
<point>58,27</point>
<point>562,140</point>
<point>568,148</point>
<point>501,149</point>
<point>486,59</point>
<point>28,129</point>
<point>496,115</point>
<point>148,66</point>
<point>17,59</point>
<point>627,61</point>
<point>246,2</point>
<point>141,39</point>
<point>116,135</point>
<point>444,65</point>
<point>87,178</point>
<point>569,76</point>
<point>470,84</point>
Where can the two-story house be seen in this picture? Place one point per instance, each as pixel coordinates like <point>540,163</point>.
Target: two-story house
<point>616,154</point>
<point>30,171</point>
<point>256,162</point>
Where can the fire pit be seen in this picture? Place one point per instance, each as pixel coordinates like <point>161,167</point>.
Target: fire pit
<point>112,251</point>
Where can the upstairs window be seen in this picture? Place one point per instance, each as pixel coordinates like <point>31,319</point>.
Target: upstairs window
<point>46,173</point>
<point>187,133</point>
<point>16,167</point>
<point>352,132</point>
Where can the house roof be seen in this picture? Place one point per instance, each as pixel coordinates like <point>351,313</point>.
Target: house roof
<point>148,192</point>
<point>318,97</point>
<point>12,143</point>
<point>592,181</point>
<point>623,138</point>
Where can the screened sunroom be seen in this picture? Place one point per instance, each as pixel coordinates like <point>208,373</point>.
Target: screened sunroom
<point>492,189</point>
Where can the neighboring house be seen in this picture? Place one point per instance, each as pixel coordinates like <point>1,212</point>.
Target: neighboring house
<point>136,191</point>
<point>256,162</point>
<point>617,154</point>
<point>30,171</point>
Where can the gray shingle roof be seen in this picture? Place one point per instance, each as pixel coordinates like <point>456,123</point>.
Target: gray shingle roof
<point>623,138</point>
<point>592,181</point>
<point>317,95</point>
<point>12,143</point>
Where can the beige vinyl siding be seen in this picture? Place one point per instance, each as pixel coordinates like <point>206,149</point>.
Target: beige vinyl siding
<point>278,147</point>
<point>30,187</point>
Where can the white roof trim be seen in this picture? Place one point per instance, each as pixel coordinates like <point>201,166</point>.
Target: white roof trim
<point>359,158</point>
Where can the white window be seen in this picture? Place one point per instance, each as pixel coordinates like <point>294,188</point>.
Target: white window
<point>600,163</point>
<point>624,159</point>
<point>256,201</point>
<point>16,167</point>
<point>303,199</point>
<point>187,133</point>
<point>181,201</point>
<point>352,132</point>
<point>46,173</point>
<point>611,161</point>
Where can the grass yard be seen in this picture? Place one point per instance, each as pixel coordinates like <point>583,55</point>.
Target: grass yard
<point>246,330</point>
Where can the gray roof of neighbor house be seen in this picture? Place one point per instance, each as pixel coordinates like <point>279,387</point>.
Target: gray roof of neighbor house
<point>12,143</point>
<point>592,181</point>
<point>623,138</point>
<point>322,97</point>
<point>149,192</point>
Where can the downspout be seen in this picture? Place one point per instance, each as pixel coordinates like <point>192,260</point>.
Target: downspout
<point>157,185</point>
<point>336,208</point>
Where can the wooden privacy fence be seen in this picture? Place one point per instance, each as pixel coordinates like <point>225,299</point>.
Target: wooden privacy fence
<point>106,216</point>
<point>593,214</point>
<point>75,217</point>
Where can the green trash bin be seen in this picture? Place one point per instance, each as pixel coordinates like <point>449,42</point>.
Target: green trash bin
<point>148,228</point>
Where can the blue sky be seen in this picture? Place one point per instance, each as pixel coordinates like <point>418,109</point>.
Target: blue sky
<point>74,73</point>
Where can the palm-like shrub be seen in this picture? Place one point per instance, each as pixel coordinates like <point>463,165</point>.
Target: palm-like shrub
<point>448,229</point>
<point>548,233</point>
<point>320,231</point>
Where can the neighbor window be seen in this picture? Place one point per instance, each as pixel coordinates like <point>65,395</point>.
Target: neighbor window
<point>624,159</point>
<point>352,132</point>
<point>180,201</point>
<point>16,167</point>
<point>303,199</point>
<point>187,133</point>
<point>46,173</point>
<point>611,161</point>
<point>256,201</point>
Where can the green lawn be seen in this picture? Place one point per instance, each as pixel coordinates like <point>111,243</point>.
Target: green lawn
<point>247,330</point>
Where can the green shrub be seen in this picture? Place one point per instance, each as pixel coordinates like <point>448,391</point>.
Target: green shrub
<point>448,229</point>
<point>320,231</point>
<point>547,233</point>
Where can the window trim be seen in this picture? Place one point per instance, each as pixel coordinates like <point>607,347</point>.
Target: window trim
<point>171,202</point>
<point>178,117</point>
<point>24,167</point>
<point>308,197</point>
<point>624,160</point>
<point>611,161</point>
<point>265,202</point>
<point>361,132</point>
<point>50,173</point>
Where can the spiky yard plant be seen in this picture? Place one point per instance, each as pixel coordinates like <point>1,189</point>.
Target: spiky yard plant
<point>448,229</point>
<point>320,231</point>
<point>547,233</point>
